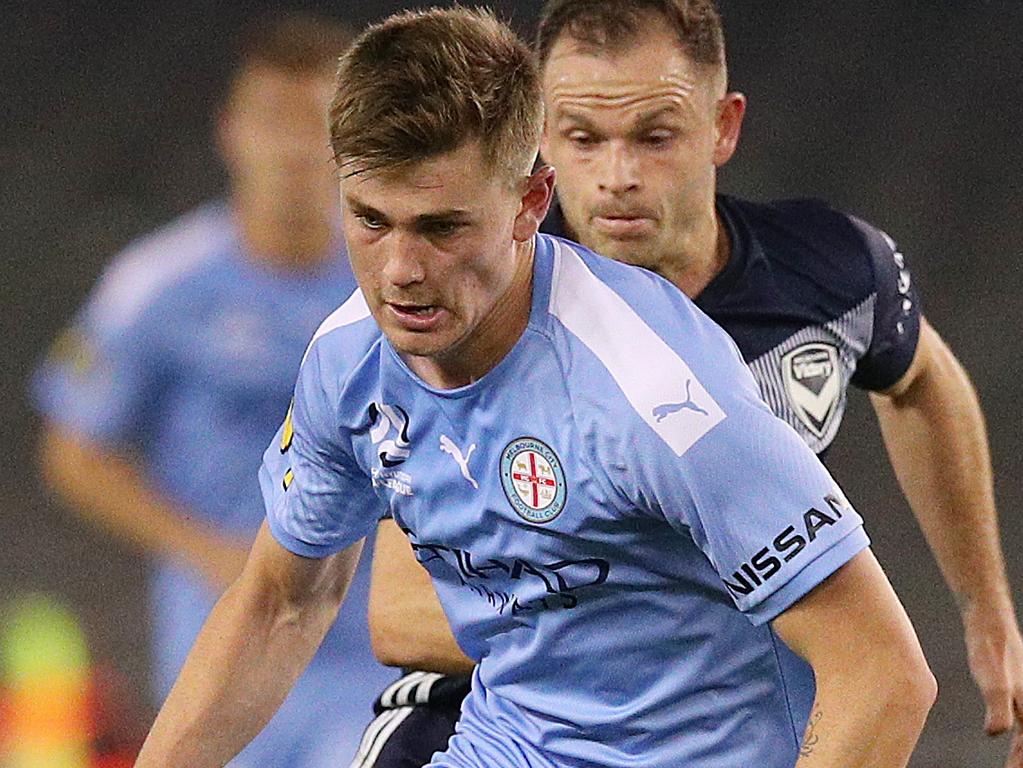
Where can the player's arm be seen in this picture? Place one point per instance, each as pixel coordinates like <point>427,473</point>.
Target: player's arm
<point>407,625</point>
<point>256,642</point>
<point>107,488</point>
<point>934,431</point>
<point>874,688</point>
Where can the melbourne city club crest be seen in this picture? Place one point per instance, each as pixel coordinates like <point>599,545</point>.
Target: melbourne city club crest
<point>813,383</point>
<point>533,480</point>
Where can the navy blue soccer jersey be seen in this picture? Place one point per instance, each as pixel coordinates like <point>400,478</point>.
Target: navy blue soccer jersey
<point>611,517</point>
<point>816,300</point>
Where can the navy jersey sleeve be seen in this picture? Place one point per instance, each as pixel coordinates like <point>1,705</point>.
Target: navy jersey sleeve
<point>318,501</point>
<point>896,314</point>
<point>102,377</point>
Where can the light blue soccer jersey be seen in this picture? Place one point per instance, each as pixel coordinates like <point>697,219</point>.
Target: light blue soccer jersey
<point>610,517</point>
<point>187,352</point>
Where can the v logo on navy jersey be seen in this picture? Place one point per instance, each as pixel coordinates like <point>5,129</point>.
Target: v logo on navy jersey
<point>662,412</point>
<point>813,383</point>
<point>392,450</point>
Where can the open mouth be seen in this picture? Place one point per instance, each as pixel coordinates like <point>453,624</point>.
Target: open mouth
<point>416,317</point>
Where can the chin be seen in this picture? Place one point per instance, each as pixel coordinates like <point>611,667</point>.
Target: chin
<point>628,252</point>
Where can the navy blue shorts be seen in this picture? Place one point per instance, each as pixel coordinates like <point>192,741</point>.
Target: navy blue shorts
<point>416,716</point>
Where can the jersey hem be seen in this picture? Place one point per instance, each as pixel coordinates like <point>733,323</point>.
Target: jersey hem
<point>809,577</point>
<point>297,546</point>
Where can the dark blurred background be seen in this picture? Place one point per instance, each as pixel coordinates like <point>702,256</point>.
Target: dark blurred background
<point>905,112</point>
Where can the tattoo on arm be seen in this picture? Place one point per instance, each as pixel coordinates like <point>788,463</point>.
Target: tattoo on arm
<point>811,737</point>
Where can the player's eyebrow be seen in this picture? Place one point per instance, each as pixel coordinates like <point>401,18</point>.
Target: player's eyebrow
<point>570,115</point>
<point>445,216</point>
<point>667,110</point>
<point>361,208</point>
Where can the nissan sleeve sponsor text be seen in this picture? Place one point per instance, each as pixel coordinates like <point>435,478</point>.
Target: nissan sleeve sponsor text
<point>784,548</point>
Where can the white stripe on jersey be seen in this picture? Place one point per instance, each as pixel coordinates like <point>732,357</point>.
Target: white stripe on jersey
<point>651,376</point>
<point>352,311</point>
<point>155,262</point>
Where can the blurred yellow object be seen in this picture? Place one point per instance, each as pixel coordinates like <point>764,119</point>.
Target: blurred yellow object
<point>44,660</point>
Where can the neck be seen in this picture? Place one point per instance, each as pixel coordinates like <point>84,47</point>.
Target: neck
<point>277,240</point>
<point>701,258</point>
<point>492,339</point>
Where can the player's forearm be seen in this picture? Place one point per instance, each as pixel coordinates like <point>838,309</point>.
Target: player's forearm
<point>937,443</point>
<point>407,625</point>
<point>107,489</point>
<point>861,719</point>
<point>250,652</point>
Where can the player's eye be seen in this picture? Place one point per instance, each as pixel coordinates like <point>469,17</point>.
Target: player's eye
<point>442,228</point>
<point>658,137</point>
<point>369,221</point>
<point>581,139</point>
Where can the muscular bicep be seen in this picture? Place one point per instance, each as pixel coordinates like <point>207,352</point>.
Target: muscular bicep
<point>852,616</point>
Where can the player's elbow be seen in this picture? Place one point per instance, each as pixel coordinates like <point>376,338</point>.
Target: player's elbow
<point>908,687</point>
<point>391,639</point>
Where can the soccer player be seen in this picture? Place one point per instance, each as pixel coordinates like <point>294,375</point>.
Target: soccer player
<point>161,397</point>
<point>639,119</point>
<point>618,527</point>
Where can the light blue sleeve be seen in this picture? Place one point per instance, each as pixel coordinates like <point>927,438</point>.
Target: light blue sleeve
<point>755,499</point>
<point>102,377</point>
<point>318,501</point>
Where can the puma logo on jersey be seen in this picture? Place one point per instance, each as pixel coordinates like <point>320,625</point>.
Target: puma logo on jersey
<point>661,412</point>
<point>448,446</point>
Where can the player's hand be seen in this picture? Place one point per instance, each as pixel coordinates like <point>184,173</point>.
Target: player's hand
<point>994,649</point>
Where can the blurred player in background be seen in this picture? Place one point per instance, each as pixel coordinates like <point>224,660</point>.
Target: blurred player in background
<point>638,120</point>
<point>161,397</point>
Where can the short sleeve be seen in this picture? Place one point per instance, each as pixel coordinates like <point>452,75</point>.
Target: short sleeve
<point>896,327</point>
<point>101,378</point>
<point>318,501</point>
<point>755,500</point>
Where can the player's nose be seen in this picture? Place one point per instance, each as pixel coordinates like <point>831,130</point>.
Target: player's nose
<point>619,170</point>
<point>403,262</point>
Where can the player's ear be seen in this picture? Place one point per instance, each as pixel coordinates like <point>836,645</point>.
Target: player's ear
<point>538,191</point>
<point>728,124</point>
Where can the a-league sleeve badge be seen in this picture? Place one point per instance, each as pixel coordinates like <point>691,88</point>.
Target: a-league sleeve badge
<point>533,480</point>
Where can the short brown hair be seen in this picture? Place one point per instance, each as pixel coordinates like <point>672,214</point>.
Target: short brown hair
<point>615,24</point>
<point>294,42</point>
<point>422,83</point>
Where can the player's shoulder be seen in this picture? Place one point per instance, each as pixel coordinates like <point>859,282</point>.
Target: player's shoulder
<point>160,263</point>
<point>810,236</point>
<point>630,326</point>
<point>344,339</point>
<point>588,285</point>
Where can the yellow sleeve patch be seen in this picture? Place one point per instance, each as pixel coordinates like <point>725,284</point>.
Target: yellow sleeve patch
<point>288,432</point>
<point>288,477</point>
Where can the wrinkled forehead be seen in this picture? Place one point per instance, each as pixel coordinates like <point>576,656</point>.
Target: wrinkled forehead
<point>652,72</point>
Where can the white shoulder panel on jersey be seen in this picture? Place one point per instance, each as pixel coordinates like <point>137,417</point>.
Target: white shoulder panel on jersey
<point>155,262</point>
<point>352,311</point>
<point>654,379</point>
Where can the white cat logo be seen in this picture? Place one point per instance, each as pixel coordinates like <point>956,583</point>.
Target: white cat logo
<point>448,446</point>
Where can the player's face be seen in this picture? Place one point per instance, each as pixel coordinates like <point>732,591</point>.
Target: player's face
<point>636,136</point>
<point>433,247</point>
<point>275,140</point>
